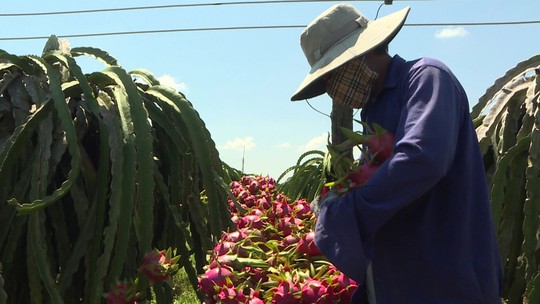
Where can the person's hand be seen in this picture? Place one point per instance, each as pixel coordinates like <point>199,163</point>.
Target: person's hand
<point>318,202</point>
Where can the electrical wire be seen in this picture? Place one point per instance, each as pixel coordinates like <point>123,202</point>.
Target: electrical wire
<point>377,14</point>
<point>262,27</point>
<point>318,111</point>
<point>475,23</point>
<point>222,28</point>
<point>219,28</point>
<point>158,31</point>
<point>168,6</point>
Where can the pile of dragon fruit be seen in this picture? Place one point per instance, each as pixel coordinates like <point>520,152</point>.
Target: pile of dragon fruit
<point>271,256</point>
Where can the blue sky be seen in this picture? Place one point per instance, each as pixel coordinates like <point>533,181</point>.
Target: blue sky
<point>240,81</point>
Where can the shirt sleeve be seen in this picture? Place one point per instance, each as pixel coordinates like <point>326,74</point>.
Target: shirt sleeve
<point>426,140</point>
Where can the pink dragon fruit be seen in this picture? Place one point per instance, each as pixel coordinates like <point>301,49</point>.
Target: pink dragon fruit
<point>251,221</point>
<point>290,239</point>
<point>255,300</point>
<point>380,144</point>
<point>342,287</point>
<point>223,260</point>
<point>256,275</point>
<point>218,276</point>
<point>224,247</point>
<point>230,295</point>
<point>302,209</point>
<point>121,293</point>
<point>254,186</point>
<point>307,245</point>
<point>279,210</point>
<point>234,236</point>
<point>288,225</point>
<point>156,266</point>
<point>361,175</point>
<point>255,297</point>
<point>286,293</point>
<point>313,292</point>
<point>263,203</point>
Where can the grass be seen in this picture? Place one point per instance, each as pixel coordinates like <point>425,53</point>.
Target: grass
<point>186,294</point>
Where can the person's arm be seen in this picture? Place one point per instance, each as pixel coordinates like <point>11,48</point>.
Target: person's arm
<point>426,141</point>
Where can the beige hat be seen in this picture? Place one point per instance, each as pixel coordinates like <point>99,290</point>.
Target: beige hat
<point>338,35</point>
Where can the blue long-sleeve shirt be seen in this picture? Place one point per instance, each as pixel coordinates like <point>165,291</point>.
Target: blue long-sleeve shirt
<point>423,219</point>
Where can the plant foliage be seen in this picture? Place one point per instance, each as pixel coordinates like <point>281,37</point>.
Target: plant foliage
<point>309,175</point>
<point>96,170</point>
<point>509,134</point>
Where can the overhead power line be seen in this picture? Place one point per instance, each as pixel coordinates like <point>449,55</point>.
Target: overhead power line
<point>106,10</point>
<point>159,31</point>
<point>262,27</point>
<point>475,23</point>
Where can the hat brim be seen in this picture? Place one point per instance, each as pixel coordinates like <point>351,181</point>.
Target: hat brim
<point>356,44</point>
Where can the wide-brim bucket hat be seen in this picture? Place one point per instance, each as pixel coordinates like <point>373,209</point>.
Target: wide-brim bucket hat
<point>339,35</point>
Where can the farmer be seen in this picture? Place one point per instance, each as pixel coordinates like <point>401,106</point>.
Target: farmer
<point>420,230</point>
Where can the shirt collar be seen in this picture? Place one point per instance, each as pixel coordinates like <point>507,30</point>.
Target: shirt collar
<point>393,73</point>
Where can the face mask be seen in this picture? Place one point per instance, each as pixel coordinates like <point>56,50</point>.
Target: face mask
<point>350,85</point>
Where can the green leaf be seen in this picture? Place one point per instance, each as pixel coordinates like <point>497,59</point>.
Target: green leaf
<point>219,216</point>
<point>35,287</point>
<point>3,295</point>
<point>18,61</point>
<point>115,144</point>
<point>531,205</point>
<point>123,102</point>
<point>101,203</point>
<point>180,225</point>
<point>51,44</point>
<point>65,117</point>
<point>37,249</point>
<point>62,243</point>
<point>15,143</point>
<point>309,175</point>
<point>499,178</point>
<point>144,157</point>
<point>533,294</point>
<point>516,72</point>
<point>356,138</point>
<point>146,75</point>
<point>96,53</point>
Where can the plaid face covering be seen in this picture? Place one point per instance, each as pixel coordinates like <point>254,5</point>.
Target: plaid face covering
<point>350,85</point>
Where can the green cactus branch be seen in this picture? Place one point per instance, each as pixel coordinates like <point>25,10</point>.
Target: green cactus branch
<point>98,169</point>
<point>509,136</point>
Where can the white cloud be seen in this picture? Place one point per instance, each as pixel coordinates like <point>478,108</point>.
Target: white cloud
<point>238,144</point>
<point>172,82</point>
<point>451,32</point>
<point>284,145</point>
<point>316,143</point>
